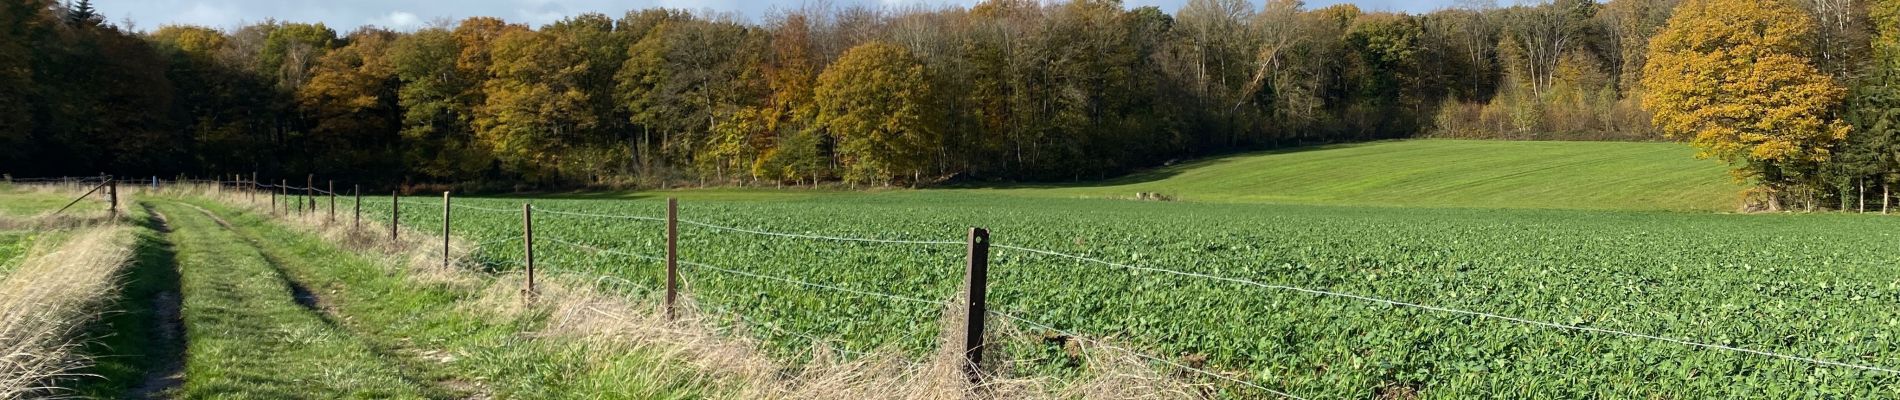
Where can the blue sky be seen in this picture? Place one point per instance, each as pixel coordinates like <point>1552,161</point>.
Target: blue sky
<point>344,15</point>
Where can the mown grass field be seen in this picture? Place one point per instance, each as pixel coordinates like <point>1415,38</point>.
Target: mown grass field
<point>1442,173</point>
<point>1806,285</point>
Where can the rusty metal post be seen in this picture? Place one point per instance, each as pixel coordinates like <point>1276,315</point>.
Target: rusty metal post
<point>395,212</point>
<point>527,243</point>
<point>976,309</point>
<point>672,257</point>
<point>445,230</point>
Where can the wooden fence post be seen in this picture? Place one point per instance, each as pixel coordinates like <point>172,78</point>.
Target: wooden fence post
<point>445,230</point>
<point>976,291</point>
<point>672,257</point>
<point>253,191</point>
<point>283,189</point>
<point>395,211</point>
<point>527,243</point>
<point>309,193</point>
<point>332,201</point>
<point>112,193</point>
<point>356,191</point>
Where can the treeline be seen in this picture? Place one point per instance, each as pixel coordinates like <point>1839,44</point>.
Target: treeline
<point>1007,89</point>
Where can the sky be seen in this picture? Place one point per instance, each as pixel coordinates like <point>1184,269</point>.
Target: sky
<point>345,15</point>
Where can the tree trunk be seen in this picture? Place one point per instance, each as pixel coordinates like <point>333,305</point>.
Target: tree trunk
<point>1886,197</point>
<point>1863,196</point>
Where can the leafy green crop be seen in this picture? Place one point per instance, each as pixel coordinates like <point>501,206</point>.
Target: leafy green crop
<point>1820,286</point>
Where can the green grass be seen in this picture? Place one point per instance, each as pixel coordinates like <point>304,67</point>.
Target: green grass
<point>248,338</point>
<point>23,202</point>
<point>13,248</point>
<point>394,312</point>
<point>1631,176</point>
<point>1807,285</point>
<point>1443,173</point>
<point>126,344</point>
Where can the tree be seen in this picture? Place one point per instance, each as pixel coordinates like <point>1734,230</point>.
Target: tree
<point>352,95</point>
<point>1730,77</point>
<point>438,139</point>
<point>872,101</point>
<point>1871,154</point>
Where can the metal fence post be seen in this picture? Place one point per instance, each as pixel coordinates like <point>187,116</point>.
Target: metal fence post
<point>976,292</point>
<point>527,243</point>
<point>395,211</point>
<point>445,229</point>
<point>672,257</point>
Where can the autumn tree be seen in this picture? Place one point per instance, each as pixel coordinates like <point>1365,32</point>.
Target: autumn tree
<point>352,95</point>
<point>436,130</point>
<point>1731,77</point>
<point>872,101</point>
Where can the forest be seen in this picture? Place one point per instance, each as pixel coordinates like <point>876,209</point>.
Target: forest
<point>1006,90</point>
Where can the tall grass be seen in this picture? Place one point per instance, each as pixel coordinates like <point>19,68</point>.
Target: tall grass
<point>49,300</point>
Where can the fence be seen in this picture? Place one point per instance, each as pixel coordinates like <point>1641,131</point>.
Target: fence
<point>973,302</point>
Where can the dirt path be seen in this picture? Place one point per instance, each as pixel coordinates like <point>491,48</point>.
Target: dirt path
<point>170,374</point>
<point>256,332</point>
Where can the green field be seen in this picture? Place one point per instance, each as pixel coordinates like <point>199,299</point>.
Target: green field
<point>1812,286</point>
<point>1805,285</point>
<point>1443,173</point>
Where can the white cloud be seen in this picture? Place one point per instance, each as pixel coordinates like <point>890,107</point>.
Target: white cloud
<point>398,20</point>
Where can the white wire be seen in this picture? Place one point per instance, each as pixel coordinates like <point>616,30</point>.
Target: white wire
<point>1458,311</point>
<point>603,250</point>
<point>809,284</point>
<point>482,244</point>
<point>495,210</point>
<point>582,214</point>
<point>1145,356</point>
<point>818,237</point>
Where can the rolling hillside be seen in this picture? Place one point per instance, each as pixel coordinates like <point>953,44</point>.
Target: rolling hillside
<point>1442,173</point>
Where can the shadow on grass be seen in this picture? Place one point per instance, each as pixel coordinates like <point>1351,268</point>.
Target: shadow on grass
<point>1154,174</point>
<point>139,345</point>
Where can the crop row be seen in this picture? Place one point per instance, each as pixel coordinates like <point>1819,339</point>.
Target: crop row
<point>1814,286</point>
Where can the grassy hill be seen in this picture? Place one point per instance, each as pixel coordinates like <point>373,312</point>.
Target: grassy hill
<point>1442,173</point>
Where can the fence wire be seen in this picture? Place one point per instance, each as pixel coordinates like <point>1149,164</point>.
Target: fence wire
<point>819,237</point>
<point>592,215</point>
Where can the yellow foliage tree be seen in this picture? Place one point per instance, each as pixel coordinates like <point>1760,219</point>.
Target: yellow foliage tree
<point>873,101</point>
<point>1732,78</point>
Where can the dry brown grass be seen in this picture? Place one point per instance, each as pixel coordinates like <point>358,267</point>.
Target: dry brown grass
<point>577,307</point>
<point>47,302</point>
